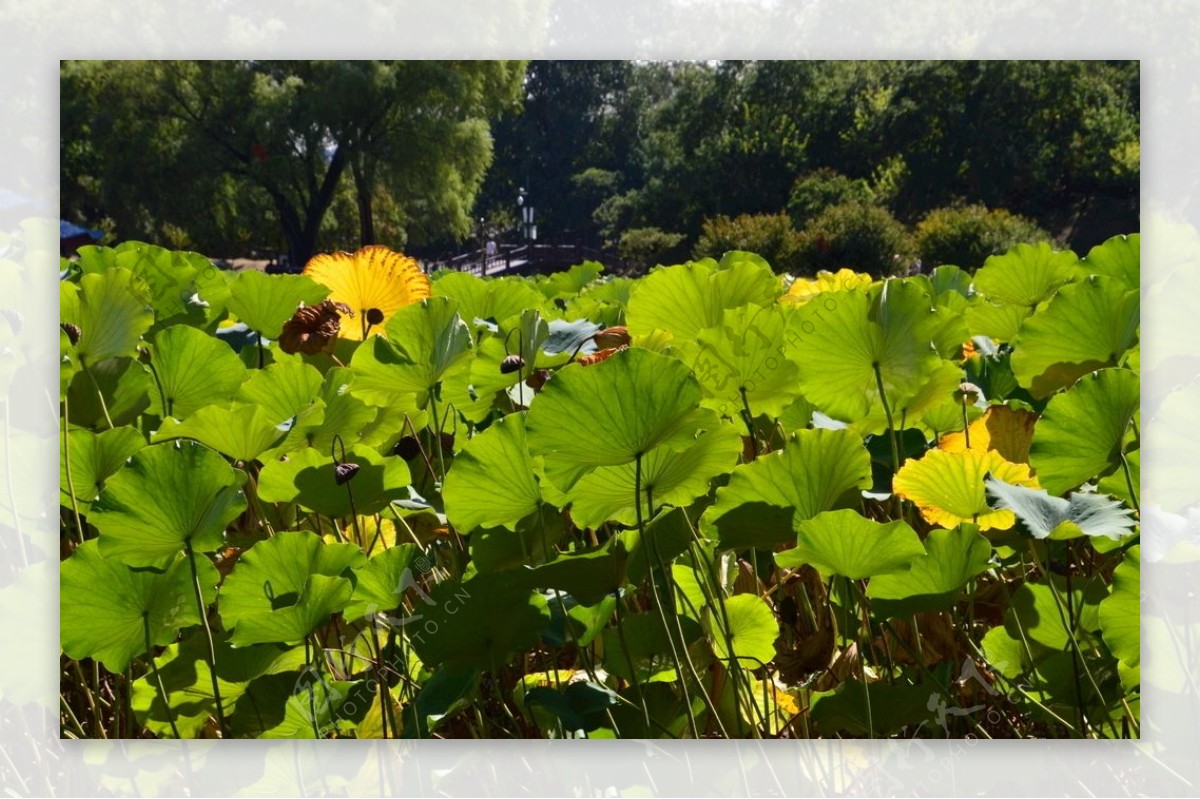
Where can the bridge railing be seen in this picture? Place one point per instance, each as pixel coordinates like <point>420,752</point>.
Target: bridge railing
<point>522,259</point>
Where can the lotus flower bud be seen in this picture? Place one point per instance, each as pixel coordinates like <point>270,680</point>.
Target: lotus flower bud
<point>344,472</point>
<point>512,363</point>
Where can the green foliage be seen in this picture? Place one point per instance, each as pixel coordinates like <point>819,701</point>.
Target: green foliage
<point>967,235</point>
<point>769,235</point>
<point>251,151</point>
<point>759,518</point>
<point>864,238</point>
<point>815,191</point>
<point>650,246</point>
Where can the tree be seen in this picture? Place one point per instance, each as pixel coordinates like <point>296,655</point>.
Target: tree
<point>572,123</point>
<point>283,134</point>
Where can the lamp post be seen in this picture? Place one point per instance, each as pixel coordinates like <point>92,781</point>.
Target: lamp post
<point>525,209</point>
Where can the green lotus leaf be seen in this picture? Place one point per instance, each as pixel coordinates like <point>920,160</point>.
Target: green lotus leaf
<point>480,622</point>
<point>285,587</point>
<point>448,690</point>
<point>308,477</point>
<point>68,361</point>
<point>95,457</point>
<point>105,606</point>
<point>242,433</point>
<point>672,476</point>
<point>1120,617</point>
<point>338,706</point>
<point>425,340</point>
<point>171,277</point>
<point>572,281</point>
<point>264,302</point>
<point>1037,615</point>
<point>950,279</point>
<point>611,413</point>
<point>1086,326</point>
<point>167,496</point>
<point>1052,517</point>
<point>744,354</point>
<point>845,543</point>
<point>688,298</point>
<point>192,369</point>
<point>570,337</point>
<point>839,339</point>
<point>492,482</point>
<point>381,582</point>
<point>114,312</point>
<point>766,499</point>
<point>1118,258</point>
<point>638,647</point>
<point>952,557</point>
<point>125,385</point>
<point>874,709</point>
<point>524,335</point>
<point>320,598</point>
<point>1117,486</point>
<point>1081,431</point>
<point>665,538</point>
<point>751,627</point>
<point>936,400</point>
<point>587,576</point>
<point>187,681</point>
<point>282,389</point>
<point>797,415</point>
<point>581,706</point>
<point>487,299</point>
<point>1011,655</point>
<point>532,541</point>
<point>997,322</point>
<point>627,557</point>
<point>1026,275</point>
<point>948,487</point>
<point>335,412</point>
<point>613,291</point>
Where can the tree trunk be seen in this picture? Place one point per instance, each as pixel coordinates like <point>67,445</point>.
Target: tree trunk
<point>363,184</point>
<point>302,238</point>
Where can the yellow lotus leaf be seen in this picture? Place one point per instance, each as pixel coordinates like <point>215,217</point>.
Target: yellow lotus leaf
<point>947,487</point>
<point>803,290</point>
<point>374,282</point>
<point>1005,430</point>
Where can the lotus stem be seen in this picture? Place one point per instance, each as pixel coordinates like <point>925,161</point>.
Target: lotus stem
<point>658,605</point>
<point>1133,495</point>
<point>100,394</point>
<point>887,411</point>
<point>162,691</point>
<point>212,647</point>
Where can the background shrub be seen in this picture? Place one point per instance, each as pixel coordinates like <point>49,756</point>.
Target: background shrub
<point>645,247</point>
<point>770,235</point>
<point>815,191</point>
<point>965,236</point>
<point>865,238</point>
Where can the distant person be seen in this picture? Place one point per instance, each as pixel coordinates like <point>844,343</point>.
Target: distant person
<point>490,250</point>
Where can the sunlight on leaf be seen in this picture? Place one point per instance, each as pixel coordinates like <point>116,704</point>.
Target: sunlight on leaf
<point>948,487</point>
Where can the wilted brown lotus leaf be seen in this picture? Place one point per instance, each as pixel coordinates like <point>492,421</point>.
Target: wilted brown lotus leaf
<point>600,355</point>
<point>612,337</point>
<point>313,329</point>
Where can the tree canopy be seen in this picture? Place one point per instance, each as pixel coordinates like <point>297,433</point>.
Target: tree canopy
<point>235,156</point>
<point>217,154</point>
